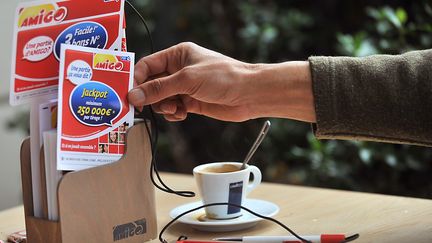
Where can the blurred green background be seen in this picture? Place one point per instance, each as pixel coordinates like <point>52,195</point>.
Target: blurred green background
<point>276,31</point>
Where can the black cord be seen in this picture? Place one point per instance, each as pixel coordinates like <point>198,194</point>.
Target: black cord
<point>161,239</point>
<point>153,165</point>
<point>153,133</point>
<point>145,25</point>
<point>154,136</point>
<point>164,187</point>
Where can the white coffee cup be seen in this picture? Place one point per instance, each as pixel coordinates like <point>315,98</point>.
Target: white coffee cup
<point>222,182</point>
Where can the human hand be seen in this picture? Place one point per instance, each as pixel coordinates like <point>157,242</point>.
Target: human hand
<point>187,78</point>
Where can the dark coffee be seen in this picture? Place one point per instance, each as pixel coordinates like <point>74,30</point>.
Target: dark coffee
<point>226,168</point>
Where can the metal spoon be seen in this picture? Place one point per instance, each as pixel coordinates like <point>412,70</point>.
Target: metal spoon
<point>257,143</point>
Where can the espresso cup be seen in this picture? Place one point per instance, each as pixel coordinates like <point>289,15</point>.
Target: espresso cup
<point>225,182</point>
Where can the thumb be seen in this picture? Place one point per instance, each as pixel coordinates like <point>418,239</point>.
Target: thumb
<point>155,90</point>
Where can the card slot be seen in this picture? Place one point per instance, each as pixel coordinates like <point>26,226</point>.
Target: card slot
<point>101,203</point>
<point>38,230</point>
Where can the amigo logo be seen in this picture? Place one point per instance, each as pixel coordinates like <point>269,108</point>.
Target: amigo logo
<point>107,62</point>
<point>42,14</point>
<point>131,229</point>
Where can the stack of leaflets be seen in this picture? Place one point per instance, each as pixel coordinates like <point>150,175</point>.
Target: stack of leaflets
<point>70,63</point>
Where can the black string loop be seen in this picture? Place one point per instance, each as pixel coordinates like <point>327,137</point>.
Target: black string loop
<point>153,133</point>
<point>144,23</point>
<point>153,136</point>
<point>161,239</point>
<point>153,167</point>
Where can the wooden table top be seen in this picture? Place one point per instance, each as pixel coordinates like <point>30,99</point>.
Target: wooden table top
<point>308,211</point>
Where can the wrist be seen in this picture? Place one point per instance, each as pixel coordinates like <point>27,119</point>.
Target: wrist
<point>282,90</point>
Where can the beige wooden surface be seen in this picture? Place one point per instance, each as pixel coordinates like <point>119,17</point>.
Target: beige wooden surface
<point>377,218</point>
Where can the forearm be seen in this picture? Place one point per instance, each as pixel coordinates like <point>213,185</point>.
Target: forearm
<point>282,90</point>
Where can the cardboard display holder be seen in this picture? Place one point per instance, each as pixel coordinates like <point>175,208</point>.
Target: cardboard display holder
<point>109,203</point>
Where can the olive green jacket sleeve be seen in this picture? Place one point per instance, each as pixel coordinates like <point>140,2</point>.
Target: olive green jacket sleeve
<point>379,98</point>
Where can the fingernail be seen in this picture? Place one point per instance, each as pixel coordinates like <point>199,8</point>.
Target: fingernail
<point>136,96</point>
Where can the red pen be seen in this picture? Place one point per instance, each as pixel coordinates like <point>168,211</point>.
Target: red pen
<point>324,238</point>
<point>202,241</point>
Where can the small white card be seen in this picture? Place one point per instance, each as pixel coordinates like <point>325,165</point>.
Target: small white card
<point>44,117</point>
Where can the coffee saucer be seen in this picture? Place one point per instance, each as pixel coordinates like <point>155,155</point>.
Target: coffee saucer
<point>199,221</point>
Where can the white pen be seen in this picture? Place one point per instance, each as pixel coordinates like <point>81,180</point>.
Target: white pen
<point>324,238</point>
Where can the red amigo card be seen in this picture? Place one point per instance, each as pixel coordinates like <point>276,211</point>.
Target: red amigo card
<point>40,29</point>
<point>94,113</point>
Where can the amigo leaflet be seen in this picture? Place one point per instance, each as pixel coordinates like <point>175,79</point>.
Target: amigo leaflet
<point>40,29</point>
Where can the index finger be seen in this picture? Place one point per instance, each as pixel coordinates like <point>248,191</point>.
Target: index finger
<point>165,61</point>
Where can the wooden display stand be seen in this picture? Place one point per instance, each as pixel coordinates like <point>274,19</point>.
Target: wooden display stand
<point>109,203</point>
